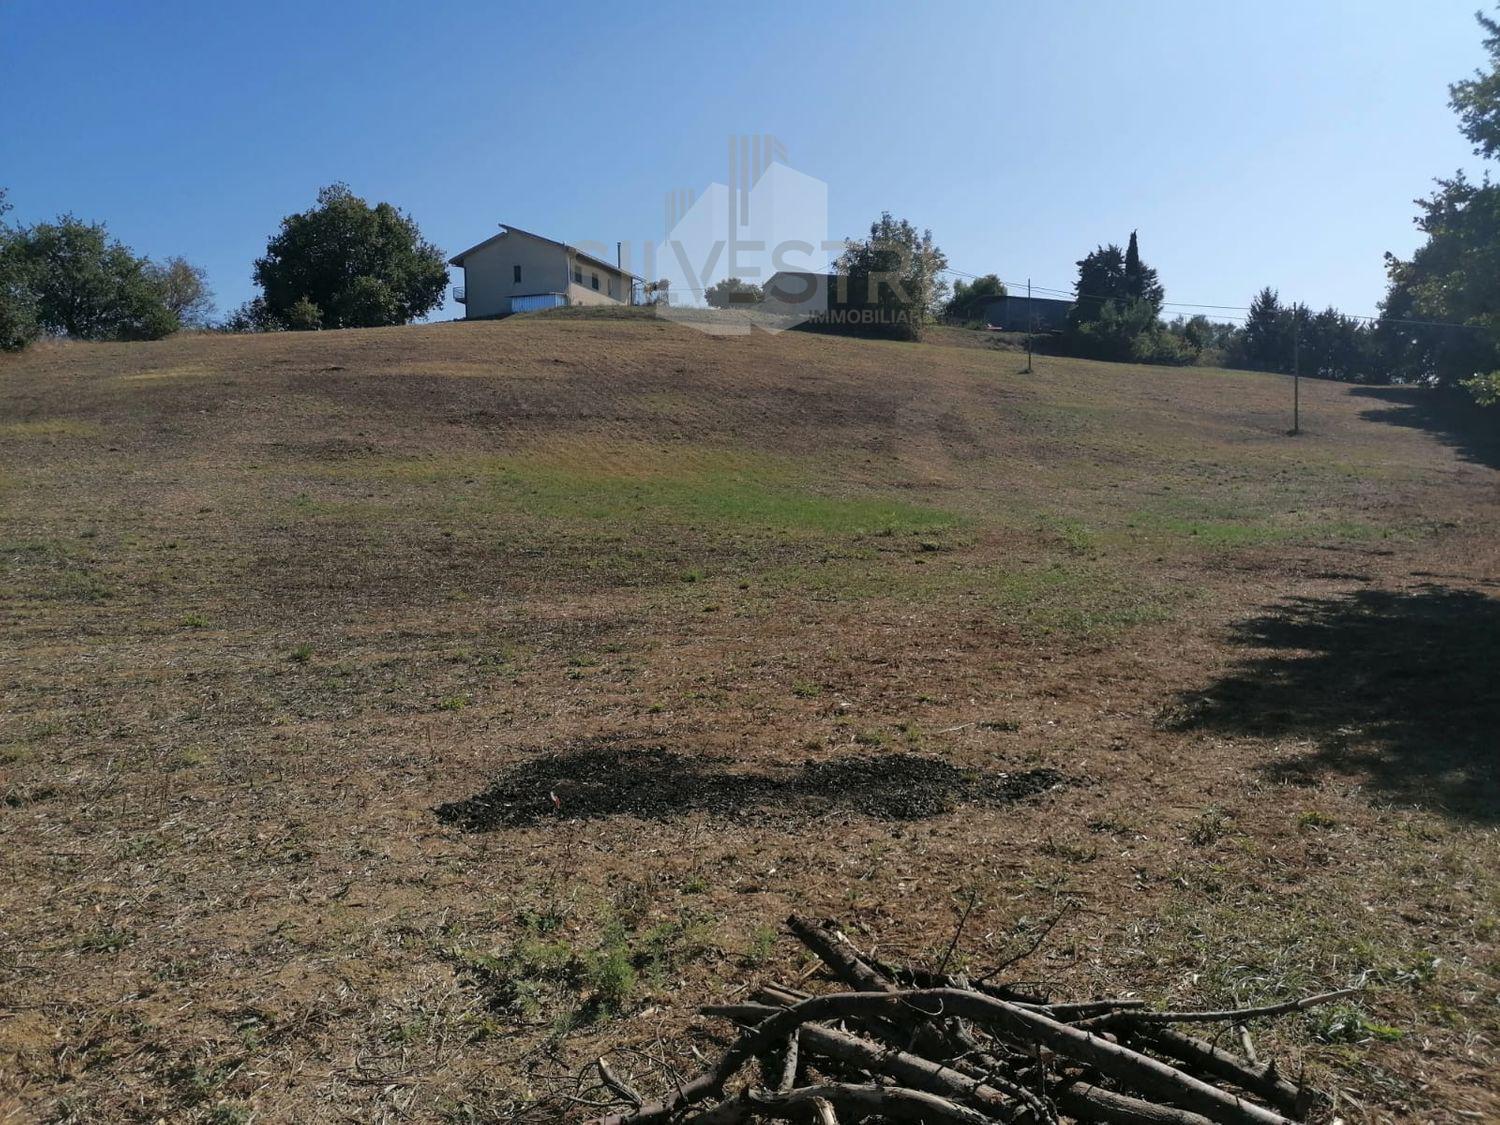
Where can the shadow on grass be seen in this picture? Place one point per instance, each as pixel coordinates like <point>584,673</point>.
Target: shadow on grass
<point>608,777</point>
<point>1400,687</point>
<point>1472,430</point>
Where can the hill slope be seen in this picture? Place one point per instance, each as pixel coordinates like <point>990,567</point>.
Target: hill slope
<point>307,631</point>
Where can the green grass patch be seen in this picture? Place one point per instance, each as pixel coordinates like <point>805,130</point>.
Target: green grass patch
<point>1227,524</point>
<point>1065,596</point>
<point>48,570</point>
<point>698,488</point>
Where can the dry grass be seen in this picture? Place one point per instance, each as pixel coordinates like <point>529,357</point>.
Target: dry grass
<point>271,602</point>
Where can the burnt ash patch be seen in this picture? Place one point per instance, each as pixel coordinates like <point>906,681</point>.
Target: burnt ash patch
<point>605,778</point>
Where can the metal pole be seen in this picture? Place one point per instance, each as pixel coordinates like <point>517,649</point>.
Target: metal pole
<point>1030,324</point>
<point>1297,369</point>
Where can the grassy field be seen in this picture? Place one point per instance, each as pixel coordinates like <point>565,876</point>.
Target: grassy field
<point>395,719</point>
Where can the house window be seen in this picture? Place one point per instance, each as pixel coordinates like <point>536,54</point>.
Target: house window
<point>595,278</point>
<point>516,270</point>
<point>577,276</point>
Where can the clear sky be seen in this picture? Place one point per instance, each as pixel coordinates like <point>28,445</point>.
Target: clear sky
<point>1276,143</point>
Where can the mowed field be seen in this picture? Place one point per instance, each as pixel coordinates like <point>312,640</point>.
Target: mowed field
<point>394,720</point>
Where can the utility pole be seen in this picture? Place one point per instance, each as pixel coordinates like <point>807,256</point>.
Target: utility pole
<point>1030,324</point>
<point>1296,369</point>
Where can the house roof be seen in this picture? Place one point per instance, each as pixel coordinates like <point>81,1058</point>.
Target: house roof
<point>1023,297</point>
<point>505,229</point>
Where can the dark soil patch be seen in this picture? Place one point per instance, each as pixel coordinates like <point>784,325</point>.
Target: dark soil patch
<point>607,778</point>
<point>1397,686</point>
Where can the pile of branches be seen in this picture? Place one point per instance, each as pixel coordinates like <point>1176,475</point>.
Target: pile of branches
<point>912,1045</point>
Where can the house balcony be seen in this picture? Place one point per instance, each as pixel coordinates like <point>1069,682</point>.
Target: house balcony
<point>458,294</point>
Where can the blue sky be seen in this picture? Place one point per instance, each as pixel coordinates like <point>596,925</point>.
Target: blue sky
<point>1278,143</point>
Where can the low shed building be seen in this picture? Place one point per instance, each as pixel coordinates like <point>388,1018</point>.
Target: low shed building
<point>1020,313</point>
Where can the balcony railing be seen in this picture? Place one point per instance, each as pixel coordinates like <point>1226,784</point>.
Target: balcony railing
<point>458,294</point>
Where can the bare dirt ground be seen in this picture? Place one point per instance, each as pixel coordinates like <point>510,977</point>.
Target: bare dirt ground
<point>393,720</point>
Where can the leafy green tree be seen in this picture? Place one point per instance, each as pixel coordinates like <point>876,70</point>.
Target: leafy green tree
<point>1453,278</point>
<point>357,266</point>
<point>1118,297</point>
<point>18,320</point>
<point>1477,100</point>
<point>1204,335</point>
<point>895,276</point>
<point>1129,331</point>
<point>88,286</point>
<point>968,296</point>
<point>731,293</point>
<point>1101,285</point>
<point>184,290</point>
<point>1111,276</point>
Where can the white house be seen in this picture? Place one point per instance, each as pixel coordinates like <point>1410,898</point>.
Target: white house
<point>517,271</point>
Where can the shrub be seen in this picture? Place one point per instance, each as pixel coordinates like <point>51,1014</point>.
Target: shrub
<point>302,316</point>
<point>1485,388</point>
<point>732,293</point>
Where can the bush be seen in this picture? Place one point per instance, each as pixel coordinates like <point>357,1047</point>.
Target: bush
<point>303,316</point>
<point>1162,347</point>
<point>732,293</point>
<point>1485,388</point>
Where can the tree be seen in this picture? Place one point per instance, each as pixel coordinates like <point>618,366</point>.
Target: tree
<point>1118,298</point>
<point>1141,283</point>
<point>353,265</point>
<point>1266,343</point>
<point>893,277</point>
<point>18,320</point>
<point>1477,100</point>
<point>731,293</point>
<point>88,286</point>
<point>184,289</point>
<point>1454,277</point>
<point>968,296</point>
<point>1101,283</point>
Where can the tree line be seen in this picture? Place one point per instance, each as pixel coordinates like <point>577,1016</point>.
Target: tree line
<point>340,264</point>
<point>1438,325</point>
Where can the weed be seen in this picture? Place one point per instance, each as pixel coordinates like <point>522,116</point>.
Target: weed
<point>762,942</point>
<point>576,980</point>
<point>1313,819</point>
<point>105,939</point>
<point>301,654</point>
<point>1210,827</point>
<point>1345,1023</point>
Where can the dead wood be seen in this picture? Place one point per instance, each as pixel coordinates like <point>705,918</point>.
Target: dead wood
<point>957,1051</point>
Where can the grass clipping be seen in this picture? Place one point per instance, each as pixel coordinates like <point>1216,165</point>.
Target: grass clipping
<point>905,1044</point>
